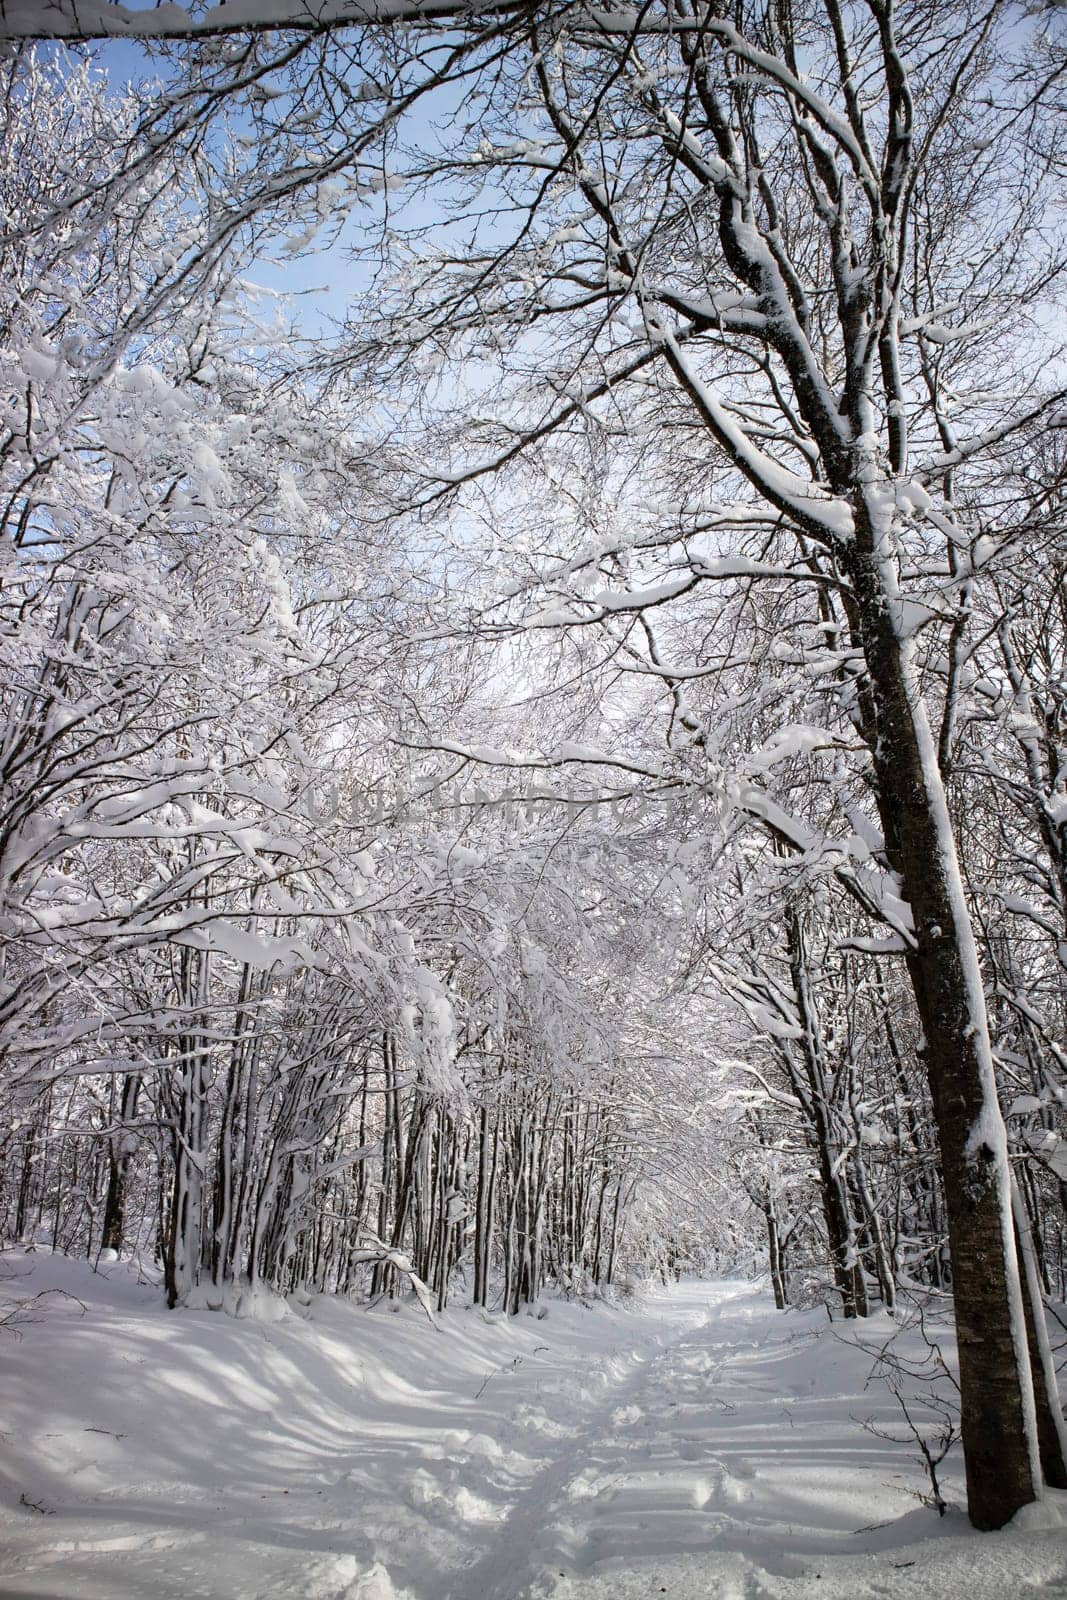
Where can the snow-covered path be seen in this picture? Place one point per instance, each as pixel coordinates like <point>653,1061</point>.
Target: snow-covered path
<point>732,1464</point>
<point>702,1446</point>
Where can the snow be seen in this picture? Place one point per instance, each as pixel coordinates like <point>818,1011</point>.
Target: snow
<point>789,743</point>
<point>103,19</point>
<point>792,494</point>
<point>635,599</point>
<point>944,333</point>
<point>254,950</point>
<point>696,1443</point>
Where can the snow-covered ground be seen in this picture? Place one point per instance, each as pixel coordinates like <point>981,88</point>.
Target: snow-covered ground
<point>701,1445</point>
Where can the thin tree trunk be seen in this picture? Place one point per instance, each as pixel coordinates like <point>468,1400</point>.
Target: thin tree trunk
<point>114,1229</point>
<point>774,1255</point>
<point>1051,1429</point>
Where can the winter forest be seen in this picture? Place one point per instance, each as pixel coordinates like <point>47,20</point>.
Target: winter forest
<point>534,720</point>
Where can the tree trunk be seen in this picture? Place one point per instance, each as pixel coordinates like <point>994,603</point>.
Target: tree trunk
<point>837,1210</point>
<point>997,1402</point>
<point>774,1255</point>
<point>114,1229</point>
<point>1051,1429</point>
<point>482,1212</point>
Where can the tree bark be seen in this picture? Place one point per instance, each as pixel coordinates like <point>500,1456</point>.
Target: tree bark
<point>997,1401</point>
<point>114,1227</point>
<point>774,1254</point>
<point>1051,1429</point>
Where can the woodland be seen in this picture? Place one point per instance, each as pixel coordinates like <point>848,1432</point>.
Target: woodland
<point>533,709</point>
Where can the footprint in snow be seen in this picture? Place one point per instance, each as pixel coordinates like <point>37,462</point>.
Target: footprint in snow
<point>703,1493</point>
<point>591,1485</point>
<point>538,1421</point>
<point>425,1493</point>
<point>623,1416</point>
<point>341,1578</point>
<point>471,1507</point>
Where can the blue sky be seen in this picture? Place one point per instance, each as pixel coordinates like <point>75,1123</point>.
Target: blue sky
<point>322,283</point>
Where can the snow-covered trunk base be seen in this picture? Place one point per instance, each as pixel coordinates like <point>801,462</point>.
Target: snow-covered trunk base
<point>997,1404</point>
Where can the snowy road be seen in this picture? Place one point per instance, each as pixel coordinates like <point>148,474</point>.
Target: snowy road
<point>703,1446</point>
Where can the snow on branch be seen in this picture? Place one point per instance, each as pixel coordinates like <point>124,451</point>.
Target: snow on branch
<point>100,19</point>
